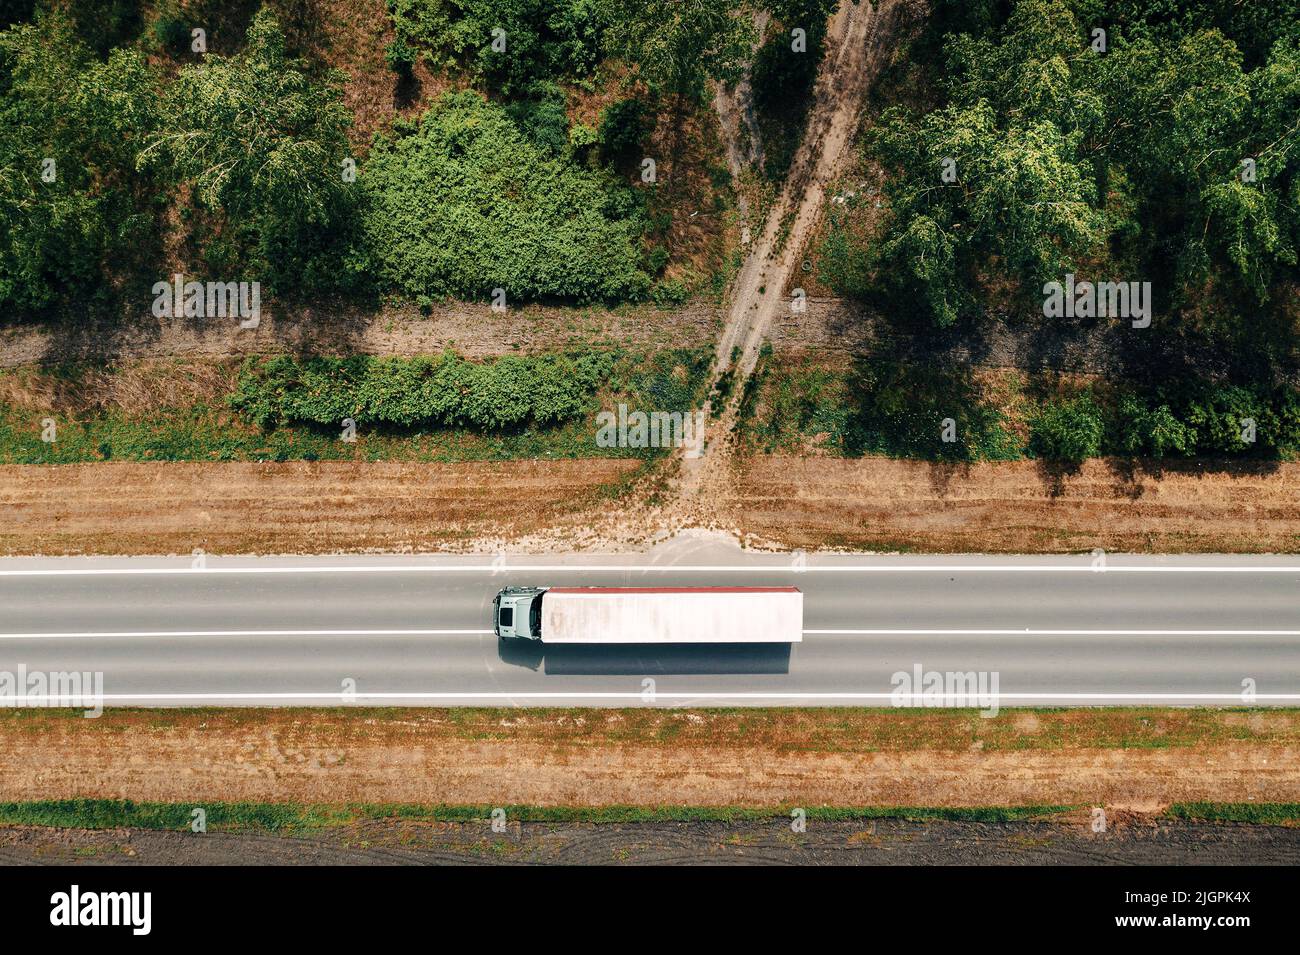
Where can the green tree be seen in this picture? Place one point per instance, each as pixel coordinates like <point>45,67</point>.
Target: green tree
<point>1020,196</point>
<point>543,39</point>
<point>73,213</point>
<point>677,46</point>
<point>265,146</point>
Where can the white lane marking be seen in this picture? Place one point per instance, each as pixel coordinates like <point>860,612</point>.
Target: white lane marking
<point>501,569</point>
<point>1061,633</point>
<point>916,698</point>
<point>241,633</point>
<point>991,632</point>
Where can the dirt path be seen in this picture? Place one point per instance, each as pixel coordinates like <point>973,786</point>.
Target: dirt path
<point>472,329</point>
<point>856,45</point>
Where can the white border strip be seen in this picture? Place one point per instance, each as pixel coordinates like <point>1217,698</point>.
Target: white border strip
<point>915,699</point>
<point>990,632</point>
<point>502,569</point>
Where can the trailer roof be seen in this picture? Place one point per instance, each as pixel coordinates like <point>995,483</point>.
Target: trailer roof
<point>673,590</point>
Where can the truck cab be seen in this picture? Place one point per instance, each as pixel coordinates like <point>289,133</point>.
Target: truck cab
<point>517,613</point>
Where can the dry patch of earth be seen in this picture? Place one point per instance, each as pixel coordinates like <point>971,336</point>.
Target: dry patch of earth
<point>874,842</point>
<point>1016,507</point>
<point>1144,759</point>
<point>289,507</point>
<point>867,504</point>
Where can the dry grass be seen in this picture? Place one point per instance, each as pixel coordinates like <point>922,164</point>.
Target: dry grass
<point>352,35</point>
<point>134,388</point>
<point>1146,758</point>
<point>1017,507</point>
<point>289,508</point>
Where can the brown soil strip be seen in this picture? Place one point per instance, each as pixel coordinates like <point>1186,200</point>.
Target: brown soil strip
<point>1018,507</point>
<point>780,501</point>
<point>654,757</point>
<point>880,842</point>
<point>470,328</point>
<point>291,507</point>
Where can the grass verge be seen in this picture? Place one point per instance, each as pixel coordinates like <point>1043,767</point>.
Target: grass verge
<point>1263,814</point>
<point>830,729</point>
<point>289,817</point>
<point>221,411</point>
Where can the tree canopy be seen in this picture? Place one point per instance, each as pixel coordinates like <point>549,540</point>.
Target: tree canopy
<point>1167,150</point>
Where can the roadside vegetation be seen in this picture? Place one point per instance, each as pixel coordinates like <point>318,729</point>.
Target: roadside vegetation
<point>881,406</point>
<point>291,817</point>
<point>1259,814</point>
<point>833,729</point>
<point>1014,143</point>
<point>423,408</point>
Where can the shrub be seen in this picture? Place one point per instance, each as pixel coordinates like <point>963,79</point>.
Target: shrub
<point>543,117</point>
<point>1142,429</point>
<point>1068,429</point>
<point>546,39</point>
<point>901,409</point>
<point>1218,415</point>
<point>400,57</point>
<point>670,293</point>
<point>443,391</point>
<point>623,125</point>
<point>172,35</point>
<point>465,203</point>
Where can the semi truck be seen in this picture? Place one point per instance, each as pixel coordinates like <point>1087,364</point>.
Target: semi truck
<point>595,615</point>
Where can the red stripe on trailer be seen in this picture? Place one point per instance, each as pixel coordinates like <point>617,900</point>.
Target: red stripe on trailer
<point>673,590</point>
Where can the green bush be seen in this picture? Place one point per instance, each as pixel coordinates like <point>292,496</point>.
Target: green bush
<point>1154,431</point>
<point>400,57</point>
<point>1190,418</point>
<point>545,39</point>
<point>1069,429</point>
<point>465,202</point>
<point>446,391</point>
<point>543,117</point>
<point>172,35</point>
<point>670,293</point>
<point>901,411</point>
<point>1218,416</point>
<point>623,125</point>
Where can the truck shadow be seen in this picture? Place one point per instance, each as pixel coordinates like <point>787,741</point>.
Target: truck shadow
<point>645,659</point>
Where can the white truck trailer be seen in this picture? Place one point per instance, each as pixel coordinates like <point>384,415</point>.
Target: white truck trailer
<point>595,615</point>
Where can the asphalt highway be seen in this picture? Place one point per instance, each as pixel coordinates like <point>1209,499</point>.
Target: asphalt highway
<point>1205,630</point>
